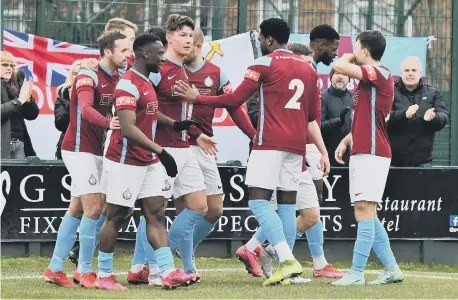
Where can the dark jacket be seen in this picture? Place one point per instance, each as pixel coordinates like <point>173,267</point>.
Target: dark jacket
<point>412,139</point>
<point>62,115</point>
<point>332,103</point>
<point>28,111</point>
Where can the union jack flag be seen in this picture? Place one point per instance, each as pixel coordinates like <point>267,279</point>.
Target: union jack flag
<point>46,60</point>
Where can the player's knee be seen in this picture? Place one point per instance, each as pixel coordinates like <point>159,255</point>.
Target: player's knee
<point>365,210</point>
<point>310,216</point>
<point>214,214</point>
<point>116,215</point>
<point>197,201</point>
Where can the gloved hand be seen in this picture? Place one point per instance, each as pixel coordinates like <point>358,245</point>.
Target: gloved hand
<point>343,113</point>
<point>169,163</point>
<point>184,125</point>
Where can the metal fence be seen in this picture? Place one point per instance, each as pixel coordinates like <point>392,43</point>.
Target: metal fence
<point>81,22</point>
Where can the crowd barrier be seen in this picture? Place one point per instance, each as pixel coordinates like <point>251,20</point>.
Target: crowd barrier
<point>418,204</point>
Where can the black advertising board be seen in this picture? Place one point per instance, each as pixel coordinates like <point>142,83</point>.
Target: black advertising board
<point>417,204</point>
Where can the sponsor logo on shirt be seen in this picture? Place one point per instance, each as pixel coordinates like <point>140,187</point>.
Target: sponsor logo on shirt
<point>253,75</point>
<point>84,81</point>
<point>126,101</point>
<point>205,92</point>
<point>151,108</point>
<point>105,99</point>
<point>371,73</point>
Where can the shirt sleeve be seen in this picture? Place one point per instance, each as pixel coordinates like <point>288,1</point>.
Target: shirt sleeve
<point>85,83</point>
<point>375,75</point>
<point>126,95</point>
<point>313,100</point>
<point>224,84</point>
<point>241,119</point>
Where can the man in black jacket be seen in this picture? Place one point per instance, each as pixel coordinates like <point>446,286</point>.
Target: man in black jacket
<point>418,112</point>
<point>336,102</point>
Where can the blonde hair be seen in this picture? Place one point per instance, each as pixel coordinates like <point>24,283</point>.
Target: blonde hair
<point>120,24</point>
<point>74,68</point>
<point>6,56</point>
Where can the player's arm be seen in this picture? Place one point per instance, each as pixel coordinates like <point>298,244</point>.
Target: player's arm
<point>238,115</point>
<point>127,119</point>
<point>346,65</point>
<point>86,83</point>
<point>313,129</point>
<point>253,75</point>
<point>341,148</point>
<point>190,125</point>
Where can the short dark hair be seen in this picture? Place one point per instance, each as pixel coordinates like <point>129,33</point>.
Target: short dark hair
<point>299,49</point>
<point>107,40</point>
<point>159,32</point>
<point>374,41</point>
<point>144,39</point>
<point>324,32</point>
<point>176,22</point>
<point>276,28</point>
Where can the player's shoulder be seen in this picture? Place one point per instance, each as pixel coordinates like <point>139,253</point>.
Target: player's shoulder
<point>130,82</point>
<point>211,67</point>
<point>374,72</point>
<point>265,61</point>
<point>86,74</point>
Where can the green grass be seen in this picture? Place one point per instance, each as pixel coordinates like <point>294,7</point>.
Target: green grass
<point>229,284</point>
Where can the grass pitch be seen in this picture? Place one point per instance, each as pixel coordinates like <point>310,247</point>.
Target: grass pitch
<point>226,278</point>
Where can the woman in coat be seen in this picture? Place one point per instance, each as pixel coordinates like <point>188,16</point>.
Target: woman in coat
<point>17,105</point>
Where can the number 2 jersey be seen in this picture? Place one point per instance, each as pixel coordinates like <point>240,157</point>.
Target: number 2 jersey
<point>134,92</point>
<point>287,87</point>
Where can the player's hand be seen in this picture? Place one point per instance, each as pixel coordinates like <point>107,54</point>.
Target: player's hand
<point>184,125</point>
<point>343,114</point>
<point>350,57</point>
<point>429,115</point>
<point>25,95</point>
<point>325,165</point>
<point>168,162</point>
<point>340,151</point>
<point>207,144</point>
<point>90,64</point>
<point>186,91</point>
<point>114,123</point>
<point>411,111</point>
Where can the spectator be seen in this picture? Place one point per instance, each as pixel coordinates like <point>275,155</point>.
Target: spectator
<point>336,102</point>
<point>62,105</point>
<point>418,112</point>
<point>17,105</point>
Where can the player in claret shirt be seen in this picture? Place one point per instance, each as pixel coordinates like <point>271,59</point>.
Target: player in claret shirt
<point>189,182</point>
<point>131,166</point>
<point>370,155</point>
<point>210,80</point>
<point>90,107</point>
<point>287,88</point>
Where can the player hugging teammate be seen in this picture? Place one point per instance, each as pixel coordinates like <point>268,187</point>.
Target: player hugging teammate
<point>160,147</point>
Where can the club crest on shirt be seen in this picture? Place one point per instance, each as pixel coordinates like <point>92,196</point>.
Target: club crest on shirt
<point>151,108</point>
<point>92,180</point>
<point>127,194</point>
<point>208,81</point>
<point>371,73</point>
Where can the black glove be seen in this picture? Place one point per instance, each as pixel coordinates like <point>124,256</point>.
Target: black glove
<point>184,125</point>
<point>169,163</point>
<point>343,113</point>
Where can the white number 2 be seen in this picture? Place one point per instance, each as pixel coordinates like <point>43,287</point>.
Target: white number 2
<point>293,102</point>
